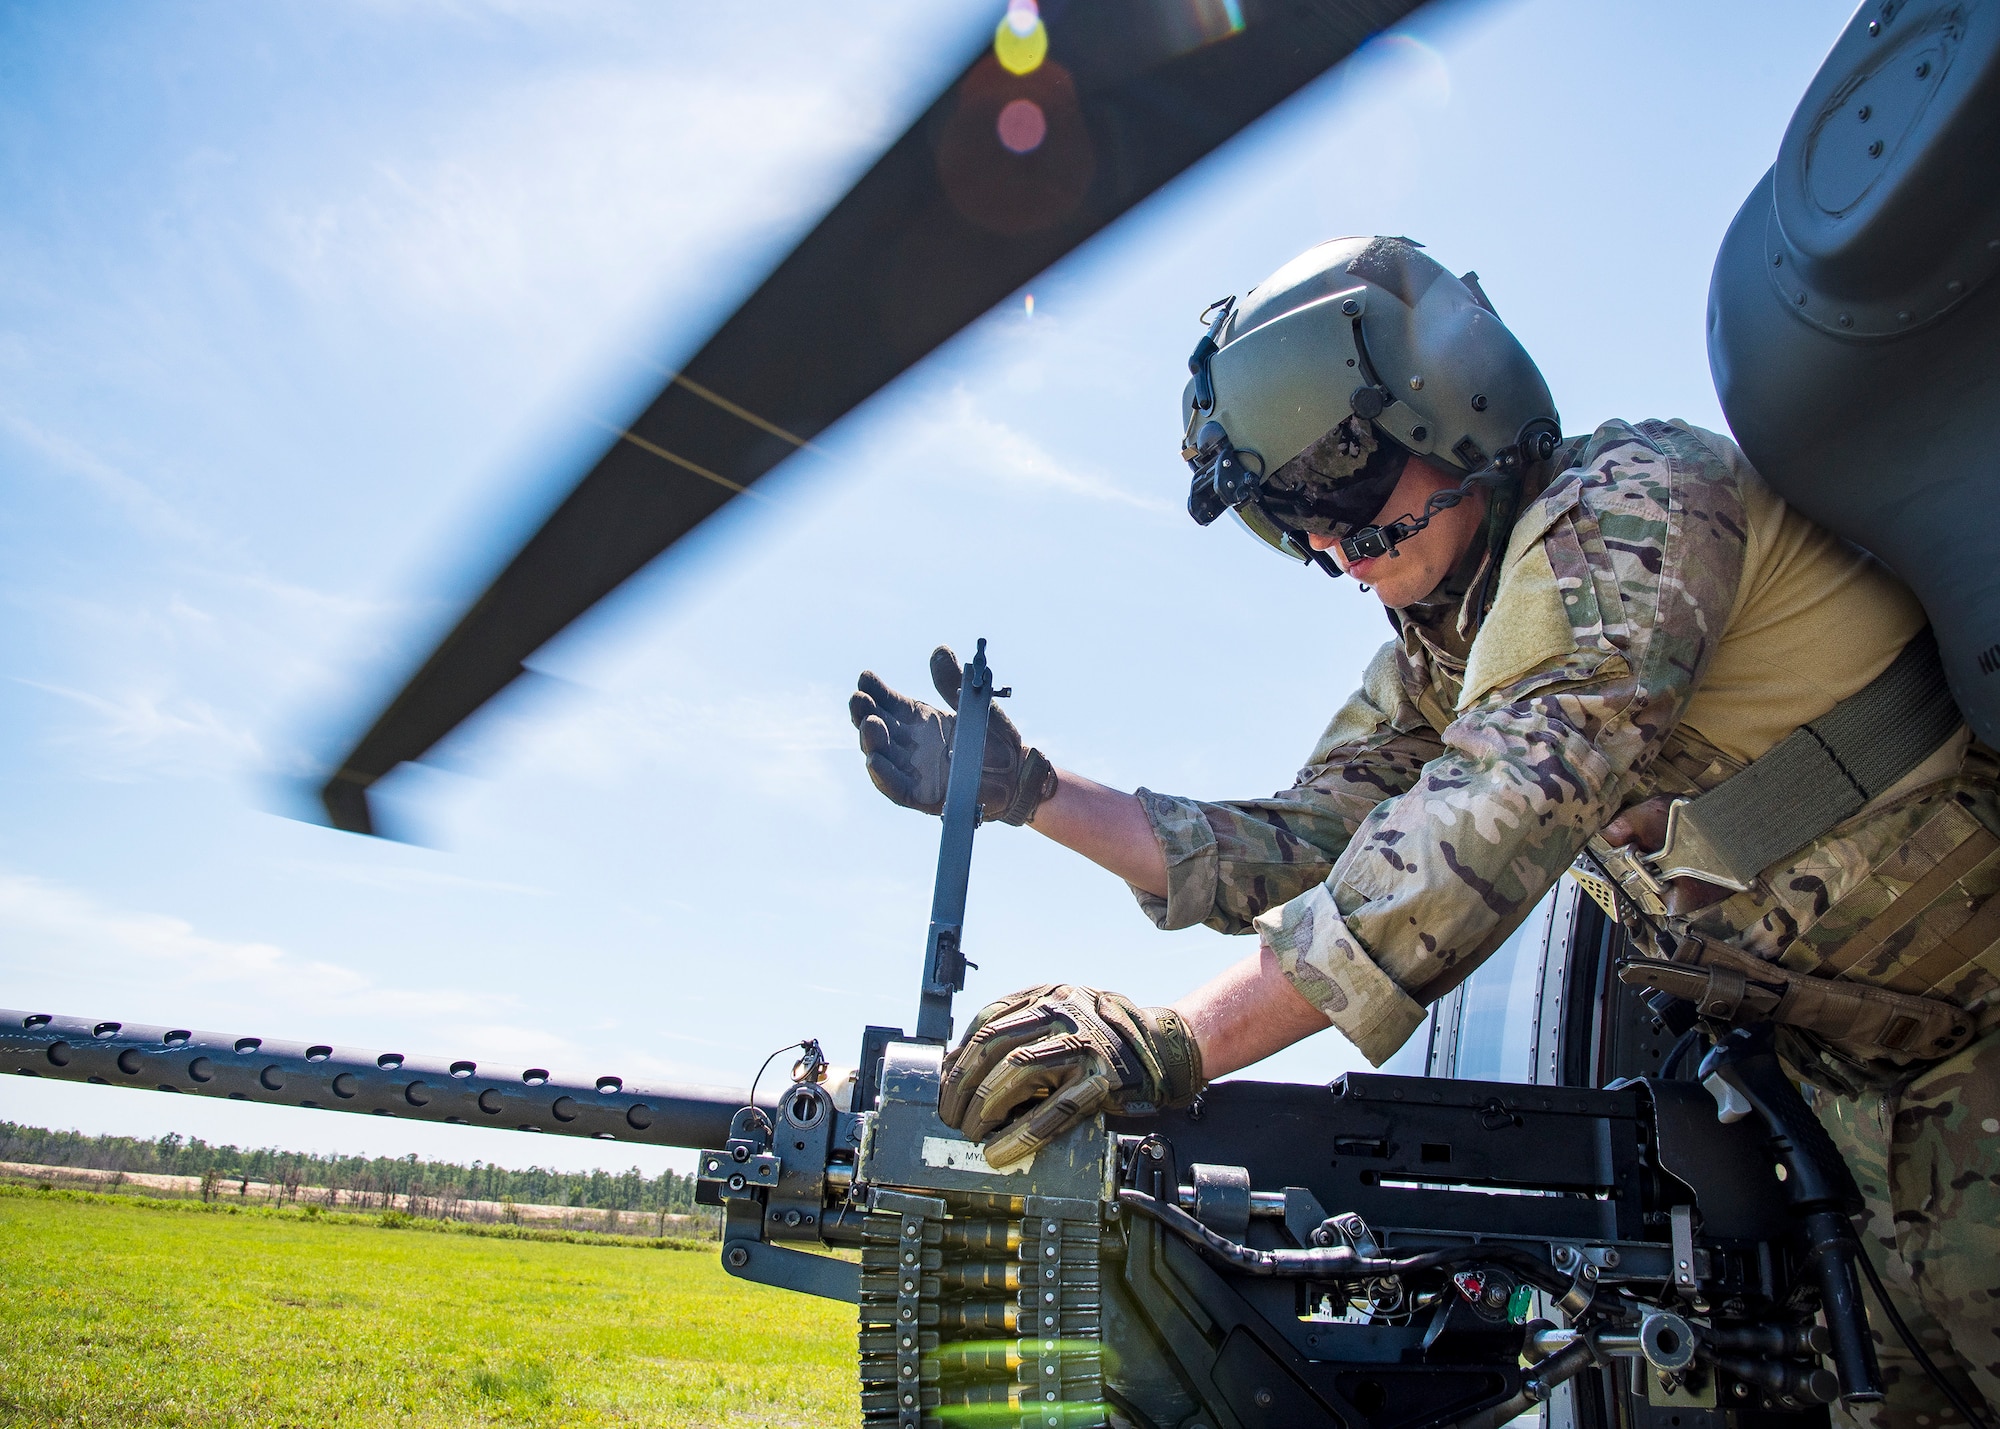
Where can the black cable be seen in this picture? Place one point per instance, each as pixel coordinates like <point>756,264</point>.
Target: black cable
<point>1342,1262</point>
<point>801,1045</point>
<point>1909,1340</point>
<point>1677,1054</point>
<point>1930,1369</point>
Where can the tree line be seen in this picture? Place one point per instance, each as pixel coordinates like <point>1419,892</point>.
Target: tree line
<point>448,1181</point>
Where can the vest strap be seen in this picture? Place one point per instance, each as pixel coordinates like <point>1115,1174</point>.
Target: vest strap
<point>1816,777</point>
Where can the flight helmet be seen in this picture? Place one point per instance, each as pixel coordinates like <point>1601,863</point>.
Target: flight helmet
<point>1309,396</point>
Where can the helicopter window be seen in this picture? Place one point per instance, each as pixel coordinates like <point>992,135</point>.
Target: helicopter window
<point>1498,1011</point>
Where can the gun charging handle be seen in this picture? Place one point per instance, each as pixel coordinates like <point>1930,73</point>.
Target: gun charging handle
<point>1822,1192</point>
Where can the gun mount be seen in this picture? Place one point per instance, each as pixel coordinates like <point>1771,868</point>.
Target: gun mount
<point>1185,1269</point>
<point>1382,1253</point>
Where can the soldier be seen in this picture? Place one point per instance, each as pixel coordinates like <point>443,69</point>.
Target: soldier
<point>1589,633</point>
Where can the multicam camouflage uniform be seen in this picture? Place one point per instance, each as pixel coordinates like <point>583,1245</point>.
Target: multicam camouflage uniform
<point>1573,666</point>
<point>1928,1160</point>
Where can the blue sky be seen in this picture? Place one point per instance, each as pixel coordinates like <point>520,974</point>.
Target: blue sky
<point>310,310</point>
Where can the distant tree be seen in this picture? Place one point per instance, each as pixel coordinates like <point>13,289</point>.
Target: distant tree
<point>369,1180</point>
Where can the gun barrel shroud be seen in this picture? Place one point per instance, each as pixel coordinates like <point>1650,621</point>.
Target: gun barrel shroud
<point>355,1079</point>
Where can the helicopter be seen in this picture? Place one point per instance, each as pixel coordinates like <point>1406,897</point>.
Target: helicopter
<point>561,571</point>
<point>1112,492</point>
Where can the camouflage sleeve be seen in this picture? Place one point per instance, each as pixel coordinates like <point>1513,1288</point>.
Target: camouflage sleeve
<point>1228,862</point>
<point>1616,586</point>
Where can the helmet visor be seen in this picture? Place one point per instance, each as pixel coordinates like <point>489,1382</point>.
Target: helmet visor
<point>1281,538</point>
<point>1337,484</point>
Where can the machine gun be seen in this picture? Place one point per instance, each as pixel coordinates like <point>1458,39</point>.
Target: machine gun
<point>1385,1252</point>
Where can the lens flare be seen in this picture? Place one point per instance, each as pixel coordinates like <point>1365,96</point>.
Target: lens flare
<point>1022,126</point>
<point>1014,154</point>
<point>1021,41</point>
<point>1404,65</point>
<point>1187,25</point>
<point>1217,19</point>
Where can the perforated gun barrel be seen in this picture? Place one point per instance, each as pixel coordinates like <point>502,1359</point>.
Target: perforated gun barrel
<point>355,1079</point>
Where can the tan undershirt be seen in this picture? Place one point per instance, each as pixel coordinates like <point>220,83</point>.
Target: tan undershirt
<point>1815,620</point>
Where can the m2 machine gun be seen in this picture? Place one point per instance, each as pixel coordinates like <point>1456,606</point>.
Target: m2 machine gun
<point>1387,1252</point>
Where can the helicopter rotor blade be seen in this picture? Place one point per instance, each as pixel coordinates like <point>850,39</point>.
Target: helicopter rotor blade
<point>1003,175</point>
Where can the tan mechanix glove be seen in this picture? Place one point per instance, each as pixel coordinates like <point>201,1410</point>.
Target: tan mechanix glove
<point>908,746</point>
<point>1035,1064</point>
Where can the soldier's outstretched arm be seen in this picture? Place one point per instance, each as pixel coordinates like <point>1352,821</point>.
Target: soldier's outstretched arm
<point>1246,1013</point>
<point>1187,861</point>
<point>1107,826</point>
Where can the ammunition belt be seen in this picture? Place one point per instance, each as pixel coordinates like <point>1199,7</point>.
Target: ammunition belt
<point>982,1306</point>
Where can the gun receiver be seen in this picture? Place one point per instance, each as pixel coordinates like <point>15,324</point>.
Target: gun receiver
<point>1186,1265</point>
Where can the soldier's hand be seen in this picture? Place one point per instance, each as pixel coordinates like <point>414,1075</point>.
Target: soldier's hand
<point>1035,1064</point>
<point>908,747</point>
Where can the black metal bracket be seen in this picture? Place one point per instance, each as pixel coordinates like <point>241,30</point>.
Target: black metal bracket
<point>788,1269</point>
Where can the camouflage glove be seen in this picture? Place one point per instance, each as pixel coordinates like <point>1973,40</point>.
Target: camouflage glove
<point>1035,1064</point>
<point>908,746</point>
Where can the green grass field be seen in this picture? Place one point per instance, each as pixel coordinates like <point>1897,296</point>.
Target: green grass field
<point>119,1312</point>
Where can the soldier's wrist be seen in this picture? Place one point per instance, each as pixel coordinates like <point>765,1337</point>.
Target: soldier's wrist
<point>1037,783</point>
<point>1178,1054</point>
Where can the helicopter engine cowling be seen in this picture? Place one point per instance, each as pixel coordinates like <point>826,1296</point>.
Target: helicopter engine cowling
<point>1854,327</point>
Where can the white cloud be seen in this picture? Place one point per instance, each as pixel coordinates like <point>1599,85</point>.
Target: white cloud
<point>403,879</point>
<point>792,745</point>
<point>58,945</point>
<point>138,500</point>
<point>319,604</point>
<point>152,732</point>
<point>535,211</point>
<point>957,436</point>
<point>48,920</point>
<point>44,925</point>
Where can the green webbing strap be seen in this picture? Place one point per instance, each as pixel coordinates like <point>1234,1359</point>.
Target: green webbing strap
<point>1817,776</point>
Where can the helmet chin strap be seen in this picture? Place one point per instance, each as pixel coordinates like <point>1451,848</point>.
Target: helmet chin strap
<point>1538,442</point>
<point>1371,542</point>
